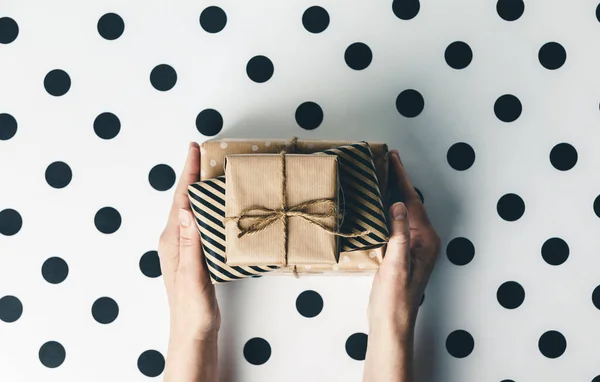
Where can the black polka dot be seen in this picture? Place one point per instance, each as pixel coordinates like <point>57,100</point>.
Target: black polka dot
<point>161,177</point>
<point>259,69</point>
<point>422,299</point>
<point>406,9</point>
<point>309,115</point>
<point>358,56</point>
<point>151,363</point>
<point>107,220</point>
<point>552,55</point>
<point>163,77</point>
<point>111,26</point>
<point>460,251</point>
<point>410,103</point>
<point>458,55</point>
<point>563,156</point>
<point>510,10</point>
<point>8,126</point>
<point>9,30</point>
<point>596,207</point>
<point>55,270</point>
<point>508,108</point>
<point>596,297</point>
<point>420,195</point>
<point>209,122</point>
<point>150,264</point>
<point>460,343</point>
<point>11,309</point>
<point>10,222</point>
<point>596,379</point>
<point>257,351</point>
<point>107,125</point>
<point>460,156</point>
<point>57,82</point>
<point>356,346</point>
<point>213,19</point>
<point>105,310</point>
<point>315,19</point>
<point>52,354</point>
<point>507,380</point>
<point>510,207</point>
<point>552,344</point>
<point>598,12</point>
<point>309,303</point>
<point>555,251</point>
<point>510,295</point>
<point>58,174</point>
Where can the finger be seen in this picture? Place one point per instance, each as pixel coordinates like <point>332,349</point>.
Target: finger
<point>402,184</point>
<point>397,254</point>
<point>188,176</point>
<point>169,241</point>
<point>190,251</point>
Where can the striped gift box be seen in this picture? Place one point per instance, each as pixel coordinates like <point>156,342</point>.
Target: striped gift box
<point>363,210</point>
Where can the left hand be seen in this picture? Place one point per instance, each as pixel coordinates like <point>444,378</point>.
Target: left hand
<point>193,305</point>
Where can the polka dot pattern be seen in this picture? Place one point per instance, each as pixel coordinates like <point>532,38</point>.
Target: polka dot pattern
<point>315,19</point>
<point>11,309</point>
<point>358,56</point>
<point>161,177</point>
<point>496,129</point>
<point>111,26</point>
<point>151,363</point>
<point>52,354</point>
<point>552,344</point>
<point>257,351</point>
<point>57,82</point>
<point>163,77</point>
<point>356,346</point>
<point>309,303</point>
<point>105,310</point>
<point>55,270</point>
<point>8,126</point>
<point>260,69</point>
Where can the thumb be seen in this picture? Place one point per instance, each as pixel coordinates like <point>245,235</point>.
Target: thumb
<point>397,254</point>
<point>190,259</point>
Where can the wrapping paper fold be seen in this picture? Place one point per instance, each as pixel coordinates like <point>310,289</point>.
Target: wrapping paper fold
<point>208,197</point>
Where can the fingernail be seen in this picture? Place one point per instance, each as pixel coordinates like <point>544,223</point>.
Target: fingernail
<point>184,218</point>
<point>193,145</point>
<point>399,211</point>
<point>398,156</point>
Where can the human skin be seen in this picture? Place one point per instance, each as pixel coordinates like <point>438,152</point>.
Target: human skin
<point>411,254</point>
<point>398,285</point>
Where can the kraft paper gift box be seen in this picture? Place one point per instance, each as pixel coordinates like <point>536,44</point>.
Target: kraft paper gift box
<point>261,190</point>
<point>208,202</point>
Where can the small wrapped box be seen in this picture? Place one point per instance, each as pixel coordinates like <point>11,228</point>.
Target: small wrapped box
<point>291,202</point>
<point>362,172</point>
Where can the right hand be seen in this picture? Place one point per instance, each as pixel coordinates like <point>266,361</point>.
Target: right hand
<point>411,254</point>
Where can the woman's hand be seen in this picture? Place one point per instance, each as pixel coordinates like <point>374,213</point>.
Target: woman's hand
<point>398,285</point>
<point>195,316</point>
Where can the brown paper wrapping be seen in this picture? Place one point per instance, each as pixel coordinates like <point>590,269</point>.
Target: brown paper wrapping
<point>213,153</point>
<point>255,180</point>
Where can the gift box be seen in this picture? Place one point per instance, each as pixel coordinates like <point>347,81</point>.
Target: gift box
<point>207,198</point>
<point>281,209</point>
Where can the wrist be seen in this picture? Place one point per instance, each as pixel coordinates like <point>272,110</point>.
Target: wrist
<point>392,329</point>
<point>191,337</point>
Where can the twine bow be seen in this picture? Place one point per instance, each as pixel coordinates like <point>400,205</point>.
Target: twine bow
<point>270,216</point>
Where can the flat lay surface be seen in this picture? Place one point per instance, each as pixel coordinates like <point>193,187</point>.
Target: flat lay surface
<point>493,106</point>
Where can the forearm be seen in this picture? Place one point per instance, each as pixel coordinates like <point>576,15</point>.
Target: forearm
<point>389,355</point>
<point>191,360</point>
